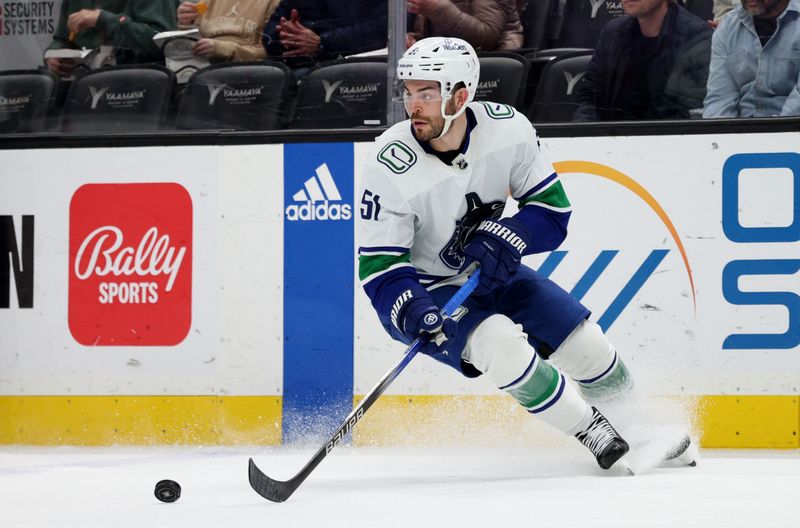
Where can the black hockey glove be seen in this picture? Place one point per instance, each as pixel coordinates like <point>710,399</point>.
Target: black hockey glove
<point>498,245</point>
<point>419,317</point>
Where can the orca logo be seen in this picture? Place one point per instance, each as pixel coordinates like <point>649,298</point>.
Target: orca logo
<point>315,199</point>
<point>453,252</point>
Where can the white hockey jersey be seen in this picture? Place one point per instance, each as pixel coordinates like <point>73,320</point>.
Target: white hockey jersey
<point>416,213</point>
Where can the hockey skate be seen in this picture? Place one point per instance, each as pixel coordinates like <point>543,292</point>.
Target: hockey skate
<point>603,440</point>
<point>662,447</point>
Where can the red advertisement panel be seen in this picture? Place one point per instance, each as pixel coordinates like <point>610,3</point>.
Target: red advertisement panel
<point>130,264</point>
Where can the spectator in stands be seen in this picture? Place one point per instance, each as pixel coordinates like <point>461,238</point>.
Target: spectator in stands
<point>128,25</point>
<point>651,63</point>
<point>326,28</point>
<point>755,61</point>
<point>230,29</point>
<point>486,24</point>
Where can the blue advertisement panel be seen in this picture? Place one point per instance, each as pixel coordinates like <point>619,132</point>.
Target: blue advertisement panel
<point>318,294</point>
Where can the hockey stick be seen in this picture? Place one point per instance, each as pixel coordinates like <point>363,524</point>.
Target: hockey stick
<point>279,491</point>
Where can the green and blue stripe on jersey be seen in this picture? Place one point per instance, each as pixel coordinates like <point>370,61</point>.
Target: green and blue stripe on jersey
<point>385,273</point>
<point>545,211</point>
<point>376,261</point>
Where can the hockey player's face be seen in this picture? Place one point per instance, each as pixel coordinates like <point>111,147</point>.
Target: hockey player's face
<point>423,102</point>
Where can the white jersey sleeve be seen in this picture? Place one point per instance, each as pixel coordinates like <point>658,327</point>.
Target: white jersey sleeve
<point>531,168</point>
<point>384,225</point>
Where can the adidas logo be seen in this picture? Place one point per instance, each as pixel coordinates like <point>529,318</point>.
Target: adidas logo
<point>315,199</point>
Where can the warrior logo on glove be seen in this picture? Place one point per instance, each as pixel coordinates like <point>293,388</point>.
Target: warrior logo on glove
<point>498,246</point>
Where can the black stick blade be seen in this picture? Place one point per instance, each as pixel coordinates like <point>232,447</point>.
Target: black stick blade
<point>270,489</point>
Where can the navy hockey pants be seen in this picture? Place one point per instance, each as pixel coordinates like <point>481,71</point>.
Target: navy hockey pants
<point>547,313</point>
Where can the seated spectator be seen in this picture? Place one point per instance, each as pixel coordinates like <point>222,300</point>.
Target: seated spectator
<point>755,61</point>
<point>326,28</point>
<point>128,25</point>
<point>650,64</point>
<point>230,29</point>
<point>486,24</point>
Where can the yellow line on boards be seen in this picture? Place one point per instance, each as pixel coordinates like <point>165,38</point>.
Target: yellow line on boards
<point>720,421</point>
<point>140,420</point>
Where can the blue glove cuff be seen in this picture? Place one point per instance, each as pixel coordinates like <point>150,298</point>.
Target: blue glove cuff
<point>413,313</point>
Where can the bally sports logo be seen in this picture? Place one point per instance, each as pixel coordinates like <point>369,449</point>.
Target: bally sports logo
<point>317,199</point>
<point>130,277</point>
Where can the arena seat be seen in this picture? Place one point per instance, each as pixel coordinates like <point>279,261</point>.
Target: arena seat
<point>345,93</point>
<point>236,95</point>
<point>556,92</point>
<point>537,61</point>
<point>130,98</point>
<point>26,97</point>
<point>503,78</point>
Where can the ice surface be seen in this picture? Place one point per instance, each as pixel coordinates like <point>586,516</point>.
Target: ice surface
<point>391,487</point>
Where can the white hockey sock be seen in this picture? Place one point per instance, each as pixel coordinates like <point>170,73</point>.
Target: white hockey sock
<point>500,349</point>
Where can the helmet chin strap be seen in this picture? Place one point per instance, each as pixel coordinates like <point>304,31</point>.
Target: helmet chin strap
<point>448,119</point>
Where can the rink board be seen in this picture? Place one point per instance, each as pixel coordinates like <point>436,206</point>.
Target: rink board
<point>196,294</point>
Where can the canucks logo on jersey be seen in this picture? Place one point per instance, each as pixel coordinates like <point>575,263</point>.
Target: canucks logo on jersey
<point>477,211</point>
<point>397,157</point>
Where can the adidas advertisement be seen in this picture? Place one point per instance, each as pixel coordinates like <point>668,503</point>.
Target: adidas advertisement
<point>318,270</point>
<point>319,199</point>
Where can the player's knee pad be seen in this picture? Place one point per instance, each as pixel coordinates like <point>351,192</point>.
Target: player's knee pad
<point>588,358</point>
<point>499,348</point>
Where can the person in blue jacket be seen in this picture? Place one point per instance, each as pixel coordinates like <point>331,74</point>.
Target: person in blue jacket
<point>755,61</point>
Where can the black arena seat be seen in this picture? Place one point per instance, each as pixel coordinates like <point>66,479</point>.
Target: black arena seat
<point>346,93</point>
<point>236,95</point>
<point>26,97</point>
<point>131,98</point>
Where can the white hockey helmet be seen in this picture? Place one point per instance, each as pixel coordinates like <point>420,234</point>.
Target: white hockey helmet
<point>446,60</point>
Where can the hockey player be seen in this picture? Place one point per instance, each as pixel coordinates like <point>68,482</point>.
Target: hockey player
<point>433,190</point>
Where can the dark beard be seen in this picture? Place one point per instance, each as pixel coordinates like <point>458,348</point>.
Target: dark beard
<point>432,133</point>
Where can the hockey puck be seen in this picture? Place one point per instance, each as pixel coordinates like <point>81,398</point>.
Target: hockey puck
<point>167,490</point>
